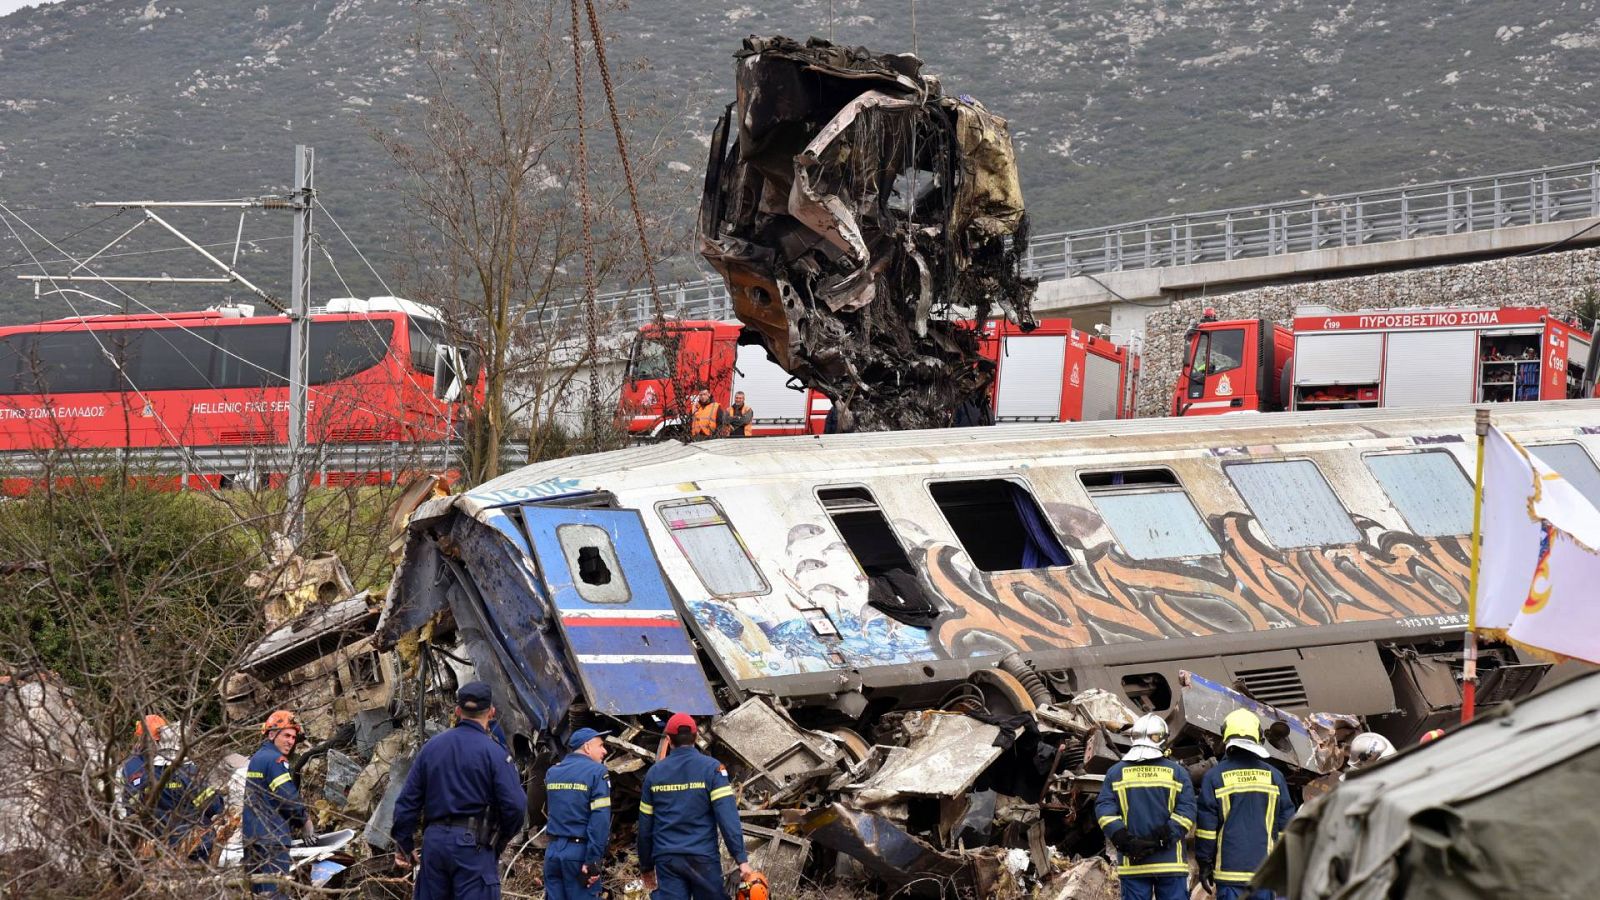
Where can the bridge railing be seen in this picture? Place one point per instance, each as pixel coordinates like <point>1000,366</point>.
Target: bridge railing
<point>1532,197</point>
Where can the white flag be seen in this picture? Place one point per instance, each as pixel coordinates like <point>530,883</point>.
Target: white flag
<point>1510,533</point>
<point>1540,562</point>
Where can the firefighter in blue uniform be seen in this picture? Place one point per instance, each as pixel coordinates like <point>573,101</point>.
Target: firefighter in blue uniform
<point>272,806</point>
<point>1244,808</point>
<point>1146,808</point>
<point>185,806</point>
<point>686,800</point>
<point>466,795</point>
<point>578,799</point>
<point>136,768</point>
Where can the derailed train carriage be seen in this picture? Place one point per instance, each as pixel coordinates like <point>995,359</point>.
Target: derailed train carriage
<point>1309,561</point>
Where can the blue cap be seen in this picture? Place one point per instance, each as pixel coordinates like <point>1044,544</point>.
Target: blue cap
<point>583,736</point>
<point>474,697</point>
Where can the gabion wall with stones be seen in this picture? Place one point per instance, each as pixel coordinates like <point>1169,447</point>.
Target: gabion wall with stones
<point>1560,281</point>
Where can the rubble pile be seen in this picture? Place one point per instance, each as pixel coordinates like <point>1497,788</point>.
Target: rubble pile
<point>856,212</point>
<point>1564,282</point>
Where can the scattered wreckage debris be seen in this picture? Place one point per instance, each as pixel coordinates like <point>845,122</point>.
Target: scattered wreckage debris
<point>856,213</point>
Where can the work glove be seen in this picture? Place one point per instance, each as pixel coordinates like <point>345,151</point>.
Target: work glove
<point>1208,874</point>
<point>1123,841</point>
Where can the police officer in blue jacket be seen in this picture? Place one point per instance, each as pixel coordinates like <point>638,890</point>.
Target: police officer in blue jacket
<point>685,802</point>
<point>578,799</point>
<point>272,807</point>
<point>1244,808</point>
<point>1146,808</point>
<point>465,793</point>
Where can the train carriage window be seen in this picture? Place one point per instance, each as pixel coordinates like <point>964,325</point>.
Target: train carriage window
<point>1150,514</point>
<point>67,362</point>
<point>342,349</point>
<point>1574,464</point>
<point>892,584</point>
<point>714,551</point>
<point>593,563</point>
<point>253,355</point>
<point>1428,489</point>
<point>999,524</point>
<point>1293,503</point>
<point>174,359</point>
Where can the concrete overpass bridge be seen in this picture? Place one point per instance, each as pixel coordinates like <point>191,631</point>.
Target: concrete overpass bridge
<point>1117,275</point>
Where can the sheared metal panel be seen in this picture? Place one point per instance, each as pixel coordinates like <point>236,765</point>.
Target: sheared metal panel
<point>1031,381</point>
<point>1428,488</point>
<point>632,656</point>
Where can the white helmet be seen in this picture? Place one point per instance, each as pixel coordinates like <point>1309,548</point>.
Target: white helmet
<point>1367,748</point>
<point>1149,733</point>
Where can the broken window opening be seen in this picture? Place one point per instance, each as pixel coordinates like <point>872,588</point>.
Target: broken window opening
<point>714,550</point>
<point>592,567</point>
<point>590,556</point>
<point>999,524</point>
<point>892,585</point>
<point>366,670</point>
<point>1148,691</point>
<point>1149,513</point>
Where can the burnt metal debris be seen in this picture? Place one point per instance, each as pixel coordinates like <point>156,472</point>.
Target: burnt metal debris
<point>856,213</point>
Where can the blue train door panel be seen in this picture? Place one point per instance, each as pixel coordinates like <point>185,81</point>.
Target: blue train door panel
<point>627,642</point>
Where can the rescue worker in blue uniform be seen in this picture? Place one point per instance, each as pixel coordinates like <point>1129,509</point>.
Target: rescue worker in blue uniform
<point>136,768</point>
<point>185,808</point>
<point>272,806</point>
<point>686,800</point>
<point>1244,808</point>
<point>469,801</point>
<point>1146,808</point>
<point>578,800</point>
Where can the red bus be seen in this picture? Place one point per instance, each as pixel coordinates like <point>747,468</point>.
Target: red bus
<point>210,389</point>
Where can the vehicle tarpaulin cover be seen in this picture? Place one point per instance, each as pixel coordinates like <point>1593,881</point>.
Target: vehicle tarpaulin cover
<point>856,213</point>
<point>1501,808</point>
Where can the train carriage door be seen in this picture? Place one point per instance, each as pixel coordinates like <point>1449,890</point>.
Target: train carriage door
<point>625,639</point>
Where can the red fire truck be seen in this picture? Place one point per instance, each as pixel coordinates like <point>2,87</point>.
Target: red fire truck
<point>213,385</point>
<point>1388,357</point>
<point>1055,373</point>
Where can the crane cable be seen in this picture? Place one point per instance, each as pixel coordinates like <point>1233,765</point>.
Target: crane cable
<point>590,311</point>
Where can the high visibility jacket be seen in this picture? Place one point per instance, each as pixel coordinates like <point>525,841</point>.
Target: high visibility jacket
<point>740,419</point>
<point>685,802</point>
<point>1244,807</point>
<point>272,807</point>
<point>707,419</point>
<point>578,800</point>
<point>461,772</point>
<point>1151,798</point>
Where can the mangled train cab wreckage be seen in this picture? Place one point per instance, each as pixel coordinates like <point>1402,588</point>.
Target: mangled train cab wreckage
<point>923,645</point>
<point>856,213</point>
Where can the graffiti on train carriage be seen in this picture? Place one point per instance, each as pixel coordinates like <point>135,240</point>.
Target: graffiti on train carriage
<point>1105,596</point>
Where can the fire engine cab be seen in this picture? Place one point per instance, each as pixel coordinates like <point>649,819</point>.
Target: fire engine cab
<point>1054,373</point>
<point>1387,357</point>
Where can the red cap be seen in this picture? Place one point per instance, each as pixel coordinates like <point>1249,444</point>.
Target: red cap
<point>680,721</point>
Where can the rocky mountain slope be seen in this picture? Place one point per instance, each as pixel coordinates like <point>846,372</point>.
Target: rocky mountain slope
<point>1120,109</point>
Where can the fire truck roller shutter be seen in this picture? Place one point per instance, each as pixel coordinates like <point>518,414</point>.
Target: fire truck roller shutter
<point>762,381</point>
<point>1430,368</point>
<point>1336,358</point>
<point>1031,369</point>
<point>1100,389</point>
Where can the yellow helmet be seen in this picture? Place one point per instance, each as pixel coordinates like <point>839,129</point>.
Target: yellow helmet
<point>1242,729</point>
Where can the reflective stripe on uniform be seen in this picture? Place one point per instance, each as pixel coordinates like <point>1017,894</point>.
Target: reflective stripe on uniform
<point>1205,835</point>
<point>280,781</point>
<point>567,786</point>
<point>1188,824</point>
<point>1107,820</point>
<point>204,796</point>
<point>646,809</point>
<point>719,793</point>
<point>601,803</point>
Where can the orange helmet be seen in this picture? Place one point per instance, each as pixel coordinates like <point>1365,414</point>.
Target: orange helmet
<point>1432,736</point>
<point>278,721</point>
<point>150,726</point>
<point>754,888</point>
